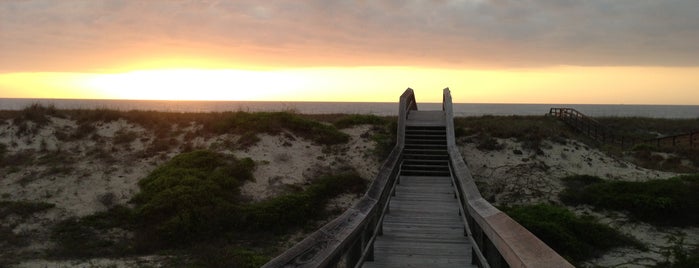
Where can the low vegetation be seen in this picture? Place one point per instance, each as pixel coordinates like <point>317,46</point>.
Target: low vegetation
<point>191,196</point>
<point>576,238</point>
<point>671,201</point>
<point>280,214</point>
<point>191,206</point>
<point>360,119</point>
<point>10,212</point>
<point>647,128</point>
<point>22,208</point>
<point>384,128</point>
<point>274,123</point>
<point>161,123</point>
<point>530,130</point>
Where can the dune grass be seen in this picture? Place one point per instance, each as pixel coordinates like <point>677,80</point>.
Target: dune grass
<point>648,128</point>
<point>576,238</point>
<point>530,130</point>
<point>672,202</point>
<point>161,122</point>
<point>273,123</point>
<point>359,119</point>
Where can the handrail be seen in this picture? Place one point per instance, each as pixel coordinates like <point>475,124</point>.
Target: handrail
<point>348,240</point>
<point>498,240</point>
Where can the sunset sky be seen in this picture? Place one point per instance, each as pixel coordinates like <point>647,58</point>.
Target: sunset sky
<point>497,51</point>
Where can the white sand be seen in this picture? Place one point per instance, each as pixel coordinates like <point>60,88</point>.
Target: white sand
<point>509,178</point>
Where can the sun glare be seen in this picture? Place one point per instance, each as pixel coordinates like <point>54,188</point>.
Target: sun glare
<point>194,84</point>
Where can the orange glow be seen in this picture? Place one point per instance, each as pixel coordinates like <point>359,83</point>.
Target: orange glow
<point>602,85</point>
<point>193,84</point>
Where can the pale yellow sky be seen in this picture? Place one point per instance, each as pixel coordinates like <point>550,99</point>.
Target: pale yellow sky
<point>524,51</point>
<point>602,85</point>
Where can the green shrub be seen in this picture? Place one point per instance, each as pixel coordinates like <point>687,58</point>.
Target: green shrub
<point>3,152</point>
<point>22,208</point>
<point>86,237</point>
<point>671,201</point>
<point>193,196</point>
<point>385,139</point>
<point>683,258</point>
<point>247,140</point>
<point>575,238</point>
<point>487,143</point>
<point>579,181</point>
<point>124,137</point>
<point>227,256</point>
<point>359,119</point>
<point>288,211</point>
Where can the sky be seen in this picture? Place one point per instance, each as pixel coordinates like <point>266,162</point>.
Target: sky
<point>485,51</point>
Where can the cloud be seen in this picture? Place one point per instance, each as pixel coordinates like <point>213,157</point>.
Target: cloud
<point>89,34</point>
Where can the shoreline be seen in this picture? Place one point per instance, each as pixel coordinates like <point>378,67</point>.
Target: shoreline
<point>376,108</point>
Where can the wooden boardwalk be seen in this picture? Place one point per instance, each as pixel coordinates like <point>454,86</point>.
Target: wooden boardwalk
<point>415,211</point>
<point>423,227</point>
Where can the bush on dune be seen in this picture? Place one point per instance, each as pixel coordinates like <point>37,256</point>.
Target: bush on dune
<point>194,201</point>
<point>285,212</point>
<point>671,201</point>
<point>575,238</point>
<point>193,196</point>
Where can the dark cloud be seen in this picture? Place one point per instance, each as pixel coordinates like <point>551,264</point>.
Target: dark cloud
<point>89,34</point>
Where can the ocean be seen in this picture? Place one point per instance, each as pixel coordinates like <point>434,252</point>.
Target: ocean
<point>377,108</point>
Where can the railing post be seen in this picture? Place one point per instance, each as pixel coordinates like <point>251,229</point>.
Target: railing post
<point>406,102</point>
<point>448,109</point>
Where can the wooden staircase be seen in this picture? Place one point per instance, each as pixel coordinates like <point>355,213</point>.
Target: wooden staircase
<point>423,227</point>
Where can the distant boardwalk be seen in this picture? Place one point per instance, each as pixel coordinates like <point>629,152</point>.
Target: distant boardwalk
<point>600,133</point>
<point>422,210</point>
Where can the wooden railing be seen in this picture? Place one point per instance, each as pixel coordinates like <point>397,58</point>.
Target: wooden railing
<point>498,240</point>
<point>600,133</point>
<point>348,240</point>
